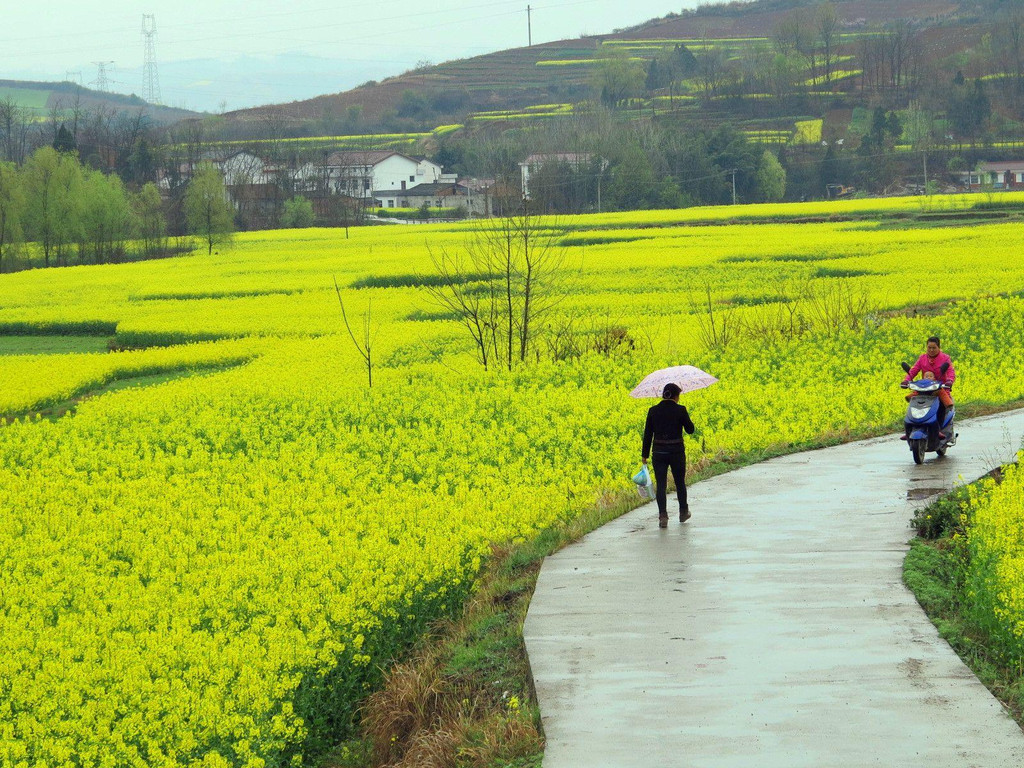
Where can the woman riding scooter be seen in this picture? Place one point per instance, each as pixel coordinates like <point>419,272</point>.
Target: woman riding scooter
<point>940,366</point>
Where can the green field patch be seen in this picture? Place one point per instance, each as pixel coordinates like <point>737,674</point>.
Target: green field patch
<point>832,272</point>
<point>741,300</point>
<point>196,295</point>
<point>52,345</point>
<point>64,328</point>
<point>423,316</point>
<point>801,258</point>
<point>56,410</point>
<point>583,240</point>
<point>26,97</point>
<point>411,280</point>
<point>567,62</point>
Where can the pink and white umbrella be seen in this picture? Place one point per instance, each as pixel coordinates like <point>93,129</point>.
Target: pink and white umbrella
<point>687,377</point>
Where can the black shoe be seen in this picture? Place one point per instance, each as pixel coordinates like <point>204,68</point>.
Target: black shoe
<point>684,514</point>
<point>663,521</point>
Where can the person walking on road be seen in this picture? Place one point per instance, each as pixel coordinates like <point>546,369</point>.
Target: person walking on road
<point>663,444</point>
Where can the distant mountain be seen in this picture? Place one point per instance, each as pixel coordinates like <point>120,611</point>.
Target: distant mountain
<point>214,85</point>
<point>42,99</point>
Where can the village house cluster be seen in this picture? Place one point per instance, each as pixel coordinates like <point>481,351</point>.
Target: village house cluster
<point>365,180</point>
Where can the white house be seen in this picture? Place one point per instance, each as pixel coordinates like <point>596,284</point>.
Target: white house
<point>243,168</point>
<point>575,160</point>
<point>448,193</point>
<point>361,174</point>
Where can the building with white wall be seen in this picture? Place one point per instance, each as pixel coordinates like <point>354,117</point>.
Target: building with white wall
<point>360,174</point>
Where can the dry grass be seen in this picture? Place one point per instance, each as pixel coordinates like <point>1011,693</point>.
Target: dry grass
<point>437,710</point>
<point>409,704</point>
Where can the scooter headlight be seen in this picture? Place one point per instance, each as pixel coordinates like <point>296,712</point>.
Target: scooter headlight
<point>919,413</point>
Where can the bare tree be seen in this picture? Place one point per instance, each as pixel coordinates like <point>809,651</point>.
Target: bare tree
<point>1008,38</point>
<point>456,291</point>
<point>836,305</point>
<point>717,325</point>
<point>792,33</point>
<point>509,276</point>
<point>710,65</point>
<point>828,36</point>
<point>871,52</point>
<point>364,347</point>
<point>14,125</point>
<point>901,53</point>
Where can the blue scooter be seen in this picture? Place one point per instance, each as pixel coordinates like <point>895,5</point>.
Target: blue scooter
<point>921,423</point>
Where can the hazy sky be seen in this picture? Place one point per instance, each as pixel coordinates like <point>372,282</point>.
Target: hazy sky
<point>45,40</point>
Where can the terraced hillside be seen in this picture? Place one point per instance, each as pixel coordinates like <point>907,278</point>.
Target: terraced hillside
<point>564,70</point>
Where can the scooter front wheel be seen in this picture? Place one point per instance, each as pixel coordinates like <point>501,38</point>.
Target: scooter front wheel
<point>917,447</point>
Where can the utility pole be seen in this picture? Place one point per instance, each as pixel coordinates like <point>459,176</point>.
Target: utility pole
<point>733,186</point>
<point>150,77</point>
<point>924,156</point>
<point>102,84</point>
<point>529,29</point>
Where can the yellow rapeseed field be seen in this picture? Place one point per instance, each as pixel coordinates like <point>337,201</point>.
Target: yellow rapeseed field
<point>995,578</point>
<point>211,571</point>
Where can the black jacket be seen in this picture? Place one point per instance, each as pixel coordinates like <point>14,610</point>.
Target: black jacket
<point>664,428</point>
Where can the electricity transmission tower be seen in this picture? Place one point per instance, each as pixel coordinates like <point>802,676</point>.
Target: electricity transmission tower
<point>73,76</point>
<point>102,83</point>
<point>150,77</point>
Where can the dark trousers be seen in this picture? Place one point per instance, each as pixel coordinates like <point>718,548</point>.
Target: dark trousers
<point>661,462</point>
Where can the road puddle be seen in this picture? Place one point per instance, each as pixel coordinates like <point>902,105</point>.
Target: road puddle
<point>917,494</point>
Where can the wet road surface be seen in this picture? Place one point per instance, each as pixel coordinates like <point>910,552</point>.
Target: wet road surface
<point>772,629</point>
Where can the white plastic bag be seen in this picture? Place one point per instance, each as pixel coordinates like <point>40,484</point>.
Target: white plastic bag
<point>644,483</point>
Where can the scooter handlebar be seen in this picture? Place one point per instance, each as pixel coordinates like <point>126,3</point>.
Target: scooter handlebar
<point>904,385</point>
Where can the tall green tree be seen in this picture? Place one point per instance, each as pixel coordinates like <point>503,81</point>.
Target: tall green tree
<point>771,178</point>
<point>108,220</point>
<point>298,212</point>
<point>65,141</point>
<point>635,184</point>
<point>53,202</point>
<point>149,212</point>
<point>618,78</point>
<point>208,212</point>
<point>11,205</point>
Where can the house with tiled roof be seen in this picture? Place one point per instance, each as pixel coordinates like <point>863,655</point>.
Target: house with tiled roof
<point>1007,174</point>
<point>472,197</point>
<point>360,173</point>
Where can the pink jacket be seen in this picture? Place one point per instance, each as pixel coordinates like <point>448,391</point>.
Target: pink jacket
<point>934,364</point>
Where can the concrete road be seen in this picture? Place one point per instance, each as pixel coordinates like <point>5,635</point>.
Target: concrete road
<point>772,629</point>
